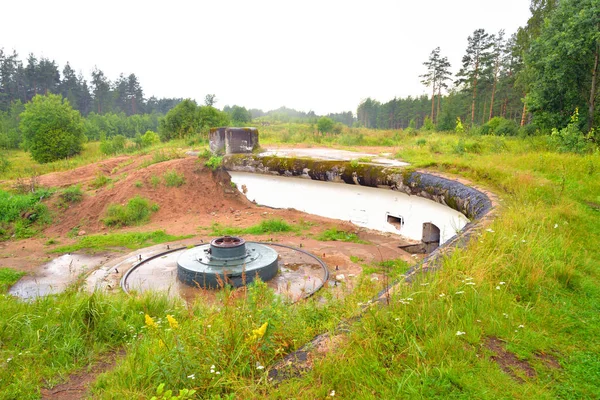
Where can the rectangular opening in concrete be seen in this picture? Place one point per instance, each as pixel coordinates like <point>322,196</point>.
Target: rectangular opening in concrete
<point>397,221</point>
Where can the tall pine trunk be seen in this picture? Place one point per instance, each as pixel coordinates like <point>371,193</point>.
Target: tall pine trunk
<point>493,95</point>
<point>474,92</point>
<point>432,102</point>
<point>593,89</point>
<point>524,112</point>
<point>438,102</point>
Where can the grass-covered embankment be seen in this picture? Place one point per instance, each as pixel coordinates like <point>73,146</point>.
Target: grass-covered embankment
<point>514,314</point>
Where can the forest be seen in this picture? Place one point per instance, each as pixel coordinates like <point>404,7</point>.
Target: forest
<point>540,78</point>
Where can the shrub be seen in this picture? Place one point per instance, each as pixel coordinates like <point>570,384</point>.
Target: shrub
<point>136,212</point>
<point>72,194</point>
<point>51,128</point>
<point>337,235</point>
<point>115,145</point>
<point>100,180</point>
<point>4,164</point>
<point>459,126</point>
<point>173,178</point>
<point>500,126</point>
<point>214,162</point>
<point>149,138</point>
<point>570,138</point>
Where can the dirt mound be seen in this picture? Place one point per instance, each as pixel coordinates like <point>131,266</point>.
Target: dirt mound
<point>204,193</point>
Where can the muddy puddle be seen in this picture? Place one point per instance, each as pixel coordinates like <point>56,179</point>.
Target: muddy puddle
<point>55,276</point>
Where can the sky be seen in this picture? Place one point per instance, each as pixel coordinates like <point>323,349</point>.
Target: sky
<point>326,55</point>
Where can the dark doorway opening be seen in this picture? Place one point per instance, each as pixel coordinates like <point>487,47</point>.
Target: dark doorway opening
<point>431,237</point>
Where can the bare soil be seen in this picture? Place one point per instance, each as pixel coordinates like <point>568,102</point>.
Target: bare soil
<point>508,362</point>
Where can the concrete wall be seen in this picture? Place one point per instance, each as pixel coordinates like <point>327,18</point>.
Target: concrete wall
<point>364,206</point>
<point>233,140</point>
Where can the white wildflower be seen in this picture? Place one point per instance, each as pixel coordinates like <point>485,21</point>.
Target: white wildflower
<point>555,226</point>
<point>332,393</point>
<point>521,326</point>
<point>192,376</point>
<point>460,292</point>
<point>470,283</point>
<point>442,295</point>
<point>9,359</point>
<point>497,287</point>
<point>503,283</point>
<point>459,333</point>
<point>490,230</point>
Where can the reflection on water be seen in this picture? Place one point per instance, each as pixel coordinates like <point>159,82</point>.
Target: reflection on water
<point>55,276</point>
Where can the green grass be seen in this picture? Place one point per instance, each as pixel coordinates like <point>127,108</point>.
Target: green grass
<point>129,240</point>
<point>72,194</point>
<point>100,180</point>
<point>264,227</point>
<point>8,277</point>
<point>531,281</point>
<point>214,162</point>
<point>22,215</point>
<point>173,178</point>
<point>154,181</point>
<point>136,212</point>
<point>337,235</point>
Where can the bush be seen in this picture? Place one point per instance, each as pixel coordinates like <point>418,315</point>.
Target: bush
<point>136,212</point>
<point>149,138</point>
<point>113,146</point>
<point>72,194</point>
<point>173,178</point>
<point>500,126</point>
<point>528,130</point>
<point>214,162</point>
<point>51,128</point>
<point>570,138</point>
<point>4,164</point>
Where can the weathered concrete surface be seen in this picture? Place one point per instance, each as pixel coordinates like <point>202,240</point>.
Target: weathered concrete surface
<point>467,200</point>
<point>233,140</point>
<point>332,155</point>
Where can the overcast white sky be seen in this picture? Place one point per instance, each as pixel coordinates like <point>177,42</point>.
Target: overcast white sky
<point>322,55</point>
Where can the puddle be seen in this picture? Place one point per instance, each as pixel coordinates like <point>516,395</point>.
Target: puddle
<point>299,274</point>
<point>384,210</point>
<point>55,276</point>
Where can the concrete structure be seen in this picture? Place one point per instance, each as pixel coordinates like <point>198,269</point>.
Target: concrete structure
<point>384,210</point>
<point>233,140</point>
<point>227,260</point>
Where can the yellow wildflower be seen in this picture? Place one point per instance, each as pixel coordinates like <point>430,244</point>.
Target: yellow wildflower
<point>172,322</point>
<point>150,322</point>
<point>161,344</point>
<point>260,332</point>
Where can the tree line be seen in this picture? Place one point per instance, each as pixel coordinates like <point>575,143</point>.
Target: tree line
<point>541,76</point>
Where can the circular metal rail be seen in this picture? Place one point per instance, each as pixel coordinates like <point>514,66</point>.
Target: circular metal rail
<point>123,282</point>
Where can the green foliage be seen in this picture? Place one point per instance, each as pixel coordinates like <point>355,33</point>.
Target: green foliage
<point>337,235</point>
<point>187,119</point>
<point>239,115</point>
<point>130,240</point>
<point>428,124</point>
<point>570,138</point>
<point>561,64</point>
<point>8,277</point>
<point>173,178</point>
<point>5,163</point>
<point>325,125</point>
<point>51,128</point>
<point>72,194</point>
<point>154,181</point>
<point>214,162</point>
<point>149,138</point>
<point>115,145</point>
<point>136,212</point>
<point>500,126</point>
<point>459,126</point>
<point>181,121</point>
<point>100,180</point>
<point>266,226</point>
